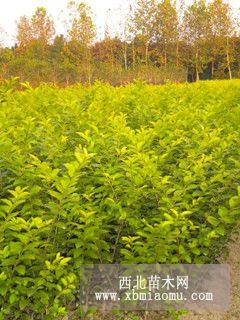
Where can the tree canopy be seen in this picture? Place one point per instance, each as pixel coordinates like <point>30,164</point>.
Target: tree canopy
<point>156,41</point>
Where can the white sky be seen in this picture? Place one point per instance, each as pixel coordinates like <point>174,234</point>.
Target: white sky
<point>11,10</point>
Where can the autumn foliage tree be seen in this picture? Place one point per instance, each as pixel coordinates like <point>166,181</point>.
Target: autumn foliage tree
<point>143,22</point>
<point>24,32</point>
<point>42,26</point>
<point>39,27</point>
<point>154,41</point>
<point>196,21</point>
<point>81,35</point>
<point>222,30</point>
<point>167,31</point>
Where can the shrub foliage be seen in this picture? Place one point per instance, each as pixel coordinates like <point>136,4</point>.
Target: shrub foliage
<point>135,174</point>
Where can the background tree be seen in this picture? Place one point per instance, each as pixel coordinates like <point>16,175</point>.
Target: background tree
<point>42,26</point>
<point>125,36</point>
<point>24,32</point>
<point>154,40</point>
<point>82,27</point>
<point>196,23</point>
<point>82,33</point>
<point>143,23</point>
<point>222,30</point>
<point>167,31</point>
<point>34,36</point>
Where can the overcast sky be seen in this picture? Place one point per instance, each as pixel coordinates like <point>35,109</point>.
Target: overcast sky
<point>11,10</point>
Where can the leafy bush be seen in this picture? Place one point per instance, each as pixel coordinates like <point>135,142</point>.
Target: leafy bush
<point>135,174</point>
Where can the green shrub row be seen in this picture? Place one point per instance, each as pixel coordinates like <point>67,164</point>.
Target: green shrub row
<point>135,174</point>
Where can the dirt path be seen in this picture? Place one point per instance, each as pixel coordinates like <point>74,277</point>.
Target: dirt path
<point>233,260</point>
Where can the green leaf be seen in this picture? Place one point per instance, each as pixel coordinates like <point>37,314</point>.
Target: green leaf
<point>15,247</point>
<point>21,269</point>
<point>234,202</point>
<point>64,261</point>
<point>3,276</point>
<point>23,303</point>
<point>220,230</point>
<point>225,215</point>
<point>13,298</point>
<point>213,221</point>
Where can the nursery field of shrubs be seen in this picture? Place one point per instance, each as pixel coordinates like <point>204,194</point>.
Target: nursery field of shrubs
<point>135,174</point>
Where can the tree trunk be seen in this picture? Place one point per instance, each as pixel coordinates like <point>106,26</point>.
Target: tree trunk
<point>67,80</point>
<point>228,61</point>
<point>177,54</point>
<point>146,53</point>
<point>125,56</point>
<point>133,55</point>
<point>89,75</point>
<point>196,67</point>
<point>229,66</point>
<point>230,72</point>
<point>197,74</point>
<point>212,69</point>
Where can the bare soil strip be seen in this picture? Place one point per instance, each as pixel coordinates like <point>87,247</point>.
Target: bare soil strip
<point>233,259</point>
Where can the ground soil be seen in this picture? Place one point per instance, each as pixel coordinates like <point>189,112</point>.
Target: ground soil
<point>232,257</point>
